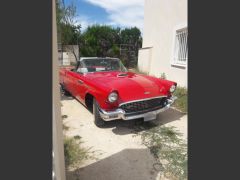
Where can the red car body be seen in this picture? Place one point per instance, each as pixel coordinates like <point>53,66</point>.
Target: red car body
<point>129,86</point>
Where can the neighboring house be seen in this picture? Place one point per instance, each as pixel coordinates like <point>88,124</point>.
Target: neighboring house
<point>164,48</point>
<point>67,54</point>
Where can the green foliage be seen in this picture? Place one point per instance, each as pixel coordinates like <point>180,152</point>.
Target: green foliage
<point>73,151</point>
<point>163,76</point>
<point>168,147</point>
<point>64,116</point>
<point>68,32</point>
<point>77,137</point>
<point>114,51</point>
<point>100,41</point>
<point>65,14</point>
<point>131,36</point>
<point>181,102</point>
<point>131,41</point>
<point>65,127</point>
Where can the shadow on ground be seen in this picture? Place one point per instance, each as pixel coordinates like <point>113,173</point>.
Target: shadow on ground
<point>134,164</point>
<point>66,97</point>
<point>133,126</point>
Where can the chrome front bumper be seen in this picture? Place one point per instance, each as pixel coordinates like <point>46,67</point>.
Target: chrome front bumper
<point>120,114</point>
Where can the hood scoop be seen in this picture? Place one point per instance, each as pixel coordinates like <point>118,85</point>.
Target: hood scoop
<point>122,75</point>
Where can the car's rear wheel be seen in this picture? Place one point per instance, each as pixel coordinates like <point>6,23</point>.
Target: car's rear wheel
<point>99,122</point>
<point>64,91</point>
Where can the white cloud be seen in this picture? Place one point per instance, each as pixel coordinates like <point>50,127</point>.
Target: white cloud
<point>125,13</point>
<point>84,21</point>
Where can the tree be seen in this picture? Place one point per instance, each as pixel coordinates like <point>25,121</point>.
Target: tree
<point>97,40</point>
<point>131,36</point>
<point>100,40</point>
<point>131,41</point>
<point>68,32</point>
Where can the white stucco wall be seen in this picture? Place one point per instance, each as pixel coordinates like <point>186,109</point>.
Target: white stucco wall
<point>144,56</point>
<point>69,49</point>
<point>65,59</point>
<point>161,19</point>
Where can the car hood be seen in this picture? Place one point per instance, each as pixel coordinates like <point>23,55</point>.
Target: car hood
<point>130,86</point>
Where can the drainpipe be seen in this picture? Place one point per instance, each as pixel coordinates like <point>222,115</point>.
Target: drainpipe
<point>58,149</point>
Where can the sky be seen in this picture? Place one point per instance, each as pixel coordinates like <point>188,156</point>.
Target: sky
<point>121,13</point>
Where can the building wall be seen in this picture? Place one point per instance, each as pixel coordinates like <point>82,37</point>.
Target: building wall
<point>161,19</point>
<point>144,55</point>
<point>69,49</point>
<point>65,59</point>
<point>66,55</point>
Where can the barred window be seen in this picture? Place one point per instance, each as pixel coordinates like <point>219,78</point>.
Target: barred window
<point>181,47</point>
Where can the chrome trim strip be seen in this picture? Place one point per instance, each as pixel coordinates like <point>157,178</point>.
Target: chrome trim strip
<point>140,100</point>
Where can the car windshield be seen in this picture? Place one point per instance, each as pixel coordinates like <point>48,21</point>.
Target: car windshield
<point>101,64</point>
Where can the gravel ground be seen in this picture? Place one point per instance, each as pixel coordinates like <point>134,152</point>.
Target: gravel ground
<point>120,155</point>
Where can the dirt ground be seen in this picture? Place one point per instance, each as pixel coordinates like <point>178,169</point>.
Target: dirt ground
<point>120,155</point>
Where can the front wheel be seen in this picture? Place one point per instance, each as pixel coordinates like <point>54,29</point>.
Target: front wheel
<point>99,122</point>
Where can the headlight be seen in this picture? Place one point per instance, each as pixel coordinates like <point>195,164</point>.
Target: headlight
<point>172,88</point>
<point>112,97</point>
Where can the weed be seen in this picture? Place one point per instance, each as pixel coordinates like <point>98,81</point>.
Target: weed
<point>74,152</point>
<point>163,76</point>
<point>77,137</point>
<point>181,101</point>
<point>65,128</point>
<point>64,116</point>
<point>168,147</point>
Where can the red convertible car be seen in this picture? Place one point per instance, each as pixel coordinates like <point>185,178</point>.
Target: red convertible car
<point>107,89</point>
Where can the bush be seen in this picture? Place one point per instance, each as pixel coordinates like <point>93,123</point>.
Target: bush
<point>182,98</point>
<point>168,147</point>
<point>163,76</point>
<point>73,151</point>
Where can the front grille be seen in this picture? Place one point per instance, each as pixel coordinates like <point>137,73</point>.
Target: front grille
<point>144,106</point>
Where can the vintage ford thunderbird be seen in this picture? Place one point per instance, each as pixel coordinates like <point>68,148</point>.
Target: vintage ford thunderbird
<point>107,89</point>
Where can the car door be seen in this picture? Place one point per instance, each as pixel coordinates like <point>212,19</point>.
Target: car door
<point>70,82</point>
<point>80,86</point>
<point>78,79</point>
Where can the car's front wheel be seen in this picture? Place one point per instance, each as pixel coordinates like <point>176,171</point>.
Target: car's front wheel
<point>97,118</point>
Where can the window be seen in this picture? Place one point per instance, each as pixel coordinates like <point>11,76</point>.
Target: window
<point>181,47</point>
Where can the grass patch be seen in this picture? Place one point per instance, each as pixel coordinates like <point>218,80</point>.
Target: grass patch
<point>77,137</point>
<point>181,101</point>
<point>64,116</point>
<point>74,153</point>
<point>163,76</point>
<point>65,127</point>
<point>170,150</point>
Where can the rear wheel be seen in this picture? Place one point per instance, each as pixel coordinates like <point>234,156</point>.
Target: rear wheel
<point>99,122</point>
<point>64,91</point>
